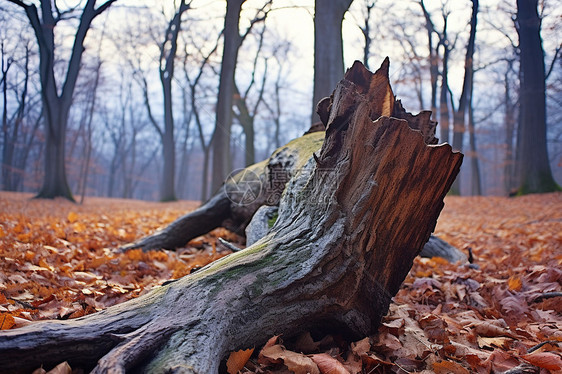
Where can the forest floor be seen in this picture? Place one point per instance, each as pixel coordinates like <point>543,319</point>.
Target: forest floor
<point>504,311</point>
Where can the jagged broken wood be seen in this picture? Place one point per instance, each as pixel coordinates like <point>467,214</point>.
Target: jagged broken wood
<point>347,232</point>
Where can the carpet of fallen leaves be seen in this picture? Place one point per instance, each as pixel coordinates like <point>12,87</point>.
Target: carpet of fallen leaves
<point>500,314</point>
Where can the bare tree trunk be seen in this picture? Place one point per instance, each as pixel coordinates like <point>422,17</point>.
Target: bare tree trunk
<point>366,31</point>
<point>168,51</point>
<point>57,106</point>
<point>476,184</point>
<point>534,167</point>
<point>509,122</point>
<point>466,94</point>
<point>433,60</point>
<point>444,90</point>
<point>221,135</point>
<point>331,260</point>
<point>328,48</point>
<point>7,145</point>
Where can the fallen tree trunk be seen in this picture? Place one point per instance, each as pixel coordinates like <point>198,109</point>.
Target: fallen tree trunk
<point>349,227</point>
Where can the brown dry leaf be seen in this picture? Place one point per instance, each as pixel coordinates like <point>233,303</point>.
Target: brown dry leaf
<point>296,362</point>
<point>306,344</point>
<point>545,360</point>
<point>372,360</point>
<point>492,329</point>
<point>270,343</point>
<point>361,347</point>
<point>395,327</point>
<point>237,360</point>
<point>499,342</point>
<point>62,368</point>
<point>328,365</point>
<point>449,367</point>
<point>500,361</point>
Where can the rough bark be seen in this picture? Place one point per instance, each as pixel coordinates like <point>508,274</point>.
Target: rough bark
<point>350,224</point>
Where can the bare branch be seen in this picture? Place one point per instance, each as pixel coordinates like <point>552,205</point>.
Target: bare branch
<point>104,6</point>
<point>19,3</point>
<point>264,10</point>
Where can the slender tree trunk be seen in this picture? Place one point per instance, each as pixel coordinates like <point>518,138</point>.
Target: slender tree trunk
<point>534,167</point>
<point>6,141</point>
<point>205,174</point>
<point>433,60</point>
<point>366,30</point>
<point>443,101</point>
<point>328,48</point>
<point>223,124</point>
<point>168,51</point>
<point>509,122</point>
<point>246,120</point>
<point>476,183</point>
<point>465,98</point>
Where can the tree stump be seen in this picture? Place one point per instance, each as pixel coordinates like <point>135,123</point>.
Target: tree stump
<point>349,227</point>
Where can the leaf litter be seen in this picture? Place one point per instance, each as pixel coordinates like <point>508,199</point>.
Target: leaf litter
<point>500,314</point>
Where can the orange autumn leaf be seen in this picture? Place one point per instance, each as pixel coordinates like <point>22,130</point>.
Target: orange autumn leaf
<point>237,360</point>
<point>6,321</point>
<point>515,283</point>
<point>72,217</point>
<point>3,299</point>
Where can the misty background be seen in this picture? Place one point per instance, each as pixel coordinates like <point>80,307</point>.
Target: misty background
<point>124,120</point>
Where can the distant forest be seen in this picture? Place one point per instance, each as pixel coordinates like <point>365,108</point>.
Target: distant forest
<point>161,100</point>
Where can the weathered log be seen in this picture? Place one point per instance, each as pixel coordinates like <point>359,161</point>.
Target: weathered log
<point>347,232</point>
